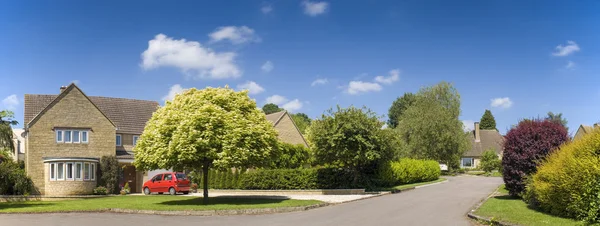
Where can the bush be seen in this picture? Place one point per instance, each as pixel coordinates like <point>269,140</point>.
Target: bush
<point>218,179</point>
<point>109,172</point>
<point>490,161</point>
<point>14,180</point>
<point>289,179</point>
<point>568,183</point>
<point>100,191</point>
<point>290,156</point>
<point>408,171</point>
<point>525,146</point>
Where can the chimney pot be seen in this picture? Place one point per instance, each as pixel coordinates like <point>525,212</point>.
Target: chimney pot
<point>62,88</point>
<point>476,127</point>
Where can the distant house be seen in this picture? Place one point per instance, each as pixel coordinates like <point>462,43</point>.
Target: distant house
<point>583,130</point>
<point>287,130</point>
<point>66,134</point>
<point>481,140</point>
<point>18,153</point>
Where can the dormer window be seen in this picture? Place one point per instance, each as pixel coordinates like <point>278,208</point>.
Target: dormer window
<point>119,140</point>
<point>135,140</point>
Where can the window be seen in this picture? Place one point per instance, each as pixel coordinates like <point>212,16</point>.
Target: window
<point>67,136</point>
<point>78,169</point>
<point>181,176</point>
<point>118,140</point>
<point>168,177</point>
<point>60,171</point>
<point>52,171</point>
<point>84,136</point>
<point>157,177</point>
<point>135,139</point>
<point>59,136</point>
<point>93,171</point>
<point>86,171</point>
<point>75,136</point>
<point>467,162</point>
<point>69,169</point>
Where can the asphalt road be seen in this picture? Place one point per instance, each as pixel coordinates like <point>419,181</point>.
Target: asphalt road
<point>442,204</point>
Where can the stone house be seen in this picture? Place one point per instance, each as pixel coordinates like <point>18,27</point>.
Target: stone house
<point>481,141</point>
<point>67,134</point>
<point>287,130</point>
<point>583,130</point>
<point>18,154</point>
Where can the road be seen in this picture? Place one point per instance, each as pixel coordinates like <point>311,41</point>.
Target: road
<point>441,204</point>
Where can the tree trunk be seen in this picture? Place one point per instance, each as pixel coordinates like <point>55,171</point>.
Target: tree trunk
<point>205,180</point>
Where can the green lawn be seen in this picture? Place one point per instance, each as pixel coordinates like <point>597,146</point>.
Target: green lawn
<point>155,202</point>
<point>405,186</point>
<point>482,173</point>
<point>513,210</point>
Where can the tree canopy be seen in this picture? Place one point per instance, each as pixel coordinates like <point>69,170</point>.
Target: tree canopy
<point>398,107</point>
<point>6,134</point>
<point>487,121</point>
<point>302,121</point>
<point>204,128</point>
<point>271,108</point>
<point>430,126</point>
<point>558,118</point>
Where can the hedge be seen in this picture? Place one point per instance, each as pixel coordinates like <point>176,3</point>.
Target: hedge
<point>408,171</point>
<point>567,183</point>
<point>14,180</point>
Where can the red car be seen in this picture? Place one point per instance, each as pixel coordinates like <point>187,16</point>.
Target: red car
<point>168,182</point>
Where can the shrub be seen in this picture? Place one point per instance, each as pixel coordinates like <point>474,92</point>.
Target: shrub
<point>568,183</point>
<point>194,187</point>
<point>109,174</point>
<point>14,180</point>
<point>408,171</point>
<point>525,146</point>
<point>290,156</point>
<point>490,161</point>
<point>126,188</point>
<point>100,191</point>
<point>280,179</point>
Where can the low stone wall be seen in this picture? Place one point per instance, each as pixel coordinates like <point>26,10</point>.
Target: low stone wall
<point>291,192</point>
<point>21,198</point>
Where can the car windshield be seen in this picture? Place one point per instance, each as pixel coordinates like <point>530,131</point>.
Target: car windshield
<point>181,176</point>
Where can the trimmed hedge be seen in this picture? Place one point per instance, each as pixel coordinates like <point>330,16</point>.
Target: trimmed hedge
<point>280,179</point>
<point>228,179</point>
<point>408,171</point>
<point>568,183</point>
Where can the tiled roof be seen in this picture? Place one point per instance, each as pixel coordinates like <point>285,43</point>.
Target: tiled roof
<point>129,115</point>
<point>275,117</point>
<point>488,139</point>
<point>121,154</point>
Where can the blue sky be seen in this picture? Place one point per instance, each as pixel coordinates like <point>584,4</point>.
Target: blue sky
<point>519,59</point>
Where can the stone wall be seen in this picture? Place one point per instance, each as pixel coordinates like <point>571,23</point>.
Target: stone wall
<point>74,110</point>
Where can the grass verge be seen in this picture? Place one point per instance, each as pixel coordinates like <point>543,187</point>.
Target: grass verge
<point>155,202</point>
<point>505,208</point>
<point>406,186</point>
<point>482,173</point>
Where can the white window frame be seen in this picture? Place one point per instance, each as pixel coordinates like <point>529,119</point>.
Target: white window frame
<point>92,171</point>
<point>135,140</point>
<point>70,136</point>
<point>78,136</point>
<point>67,168</point>
<point>62,136</point>
<point>87,136</point>
<point>60,176</point>
<point>119,141</point>
<point>75,171</point>
<point>472,162</point>
<point>52,171</point>
<point>88,172</point>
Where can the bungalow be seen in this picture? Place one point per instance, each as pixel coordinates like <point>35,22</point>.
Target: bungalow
<point>583,130</point>
<point>481,141</point>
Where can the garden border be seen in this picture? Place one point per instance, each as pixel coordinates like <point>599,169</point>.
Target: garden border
<point>471,214</point>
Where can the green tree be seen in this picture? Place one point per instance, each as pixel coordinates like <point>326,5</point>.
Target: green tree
<point>490,161</point>
<point>302,121</point>
<point>6,134</point>
<point>349,138</point>
<point>271,108</point>
<point>557,118</point>
<point>213,127</point>
<point>290,156</point>
<point>110,172</point>
<point>398,108</point>
<point>487,121</point>
<point>431,128</point>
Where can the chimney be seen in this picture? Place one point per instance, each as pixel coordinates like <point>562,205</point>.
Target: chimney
<point>62,88</point>
<point>596,125</point>
<point>476,128</point>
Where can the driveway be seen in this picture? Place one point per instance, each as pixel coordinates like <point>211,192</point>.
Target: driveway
<point>442,204</point>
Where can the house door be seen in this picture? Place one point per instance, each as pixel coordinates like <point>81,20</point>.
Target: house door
<point>130,177</point>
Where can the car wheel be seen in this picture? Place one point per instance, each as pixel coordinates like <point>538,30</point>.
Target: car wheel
<point>160,193</point>
<point>146,191</point>
<point>172,191</point>
<point>186,192</point>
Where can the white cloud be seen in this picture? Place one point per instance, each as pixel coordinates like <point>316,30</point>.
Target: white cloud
<point>11,102</point>
<point>189,56</point>
<point>570,65</point>
<point>173,91</point>
<point>504,102</point>
<point>357,87</point>
<point>394,76</point>
<point>236,35</point>
<point>468,125</point>
<point>314,8</point>
<point>267,66</point>
<point>321,81</point>
<point>293,105</point>
<point>252,87</point>
<point>566,50</point>
<point>266,9</point>
<point>276,99</point>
